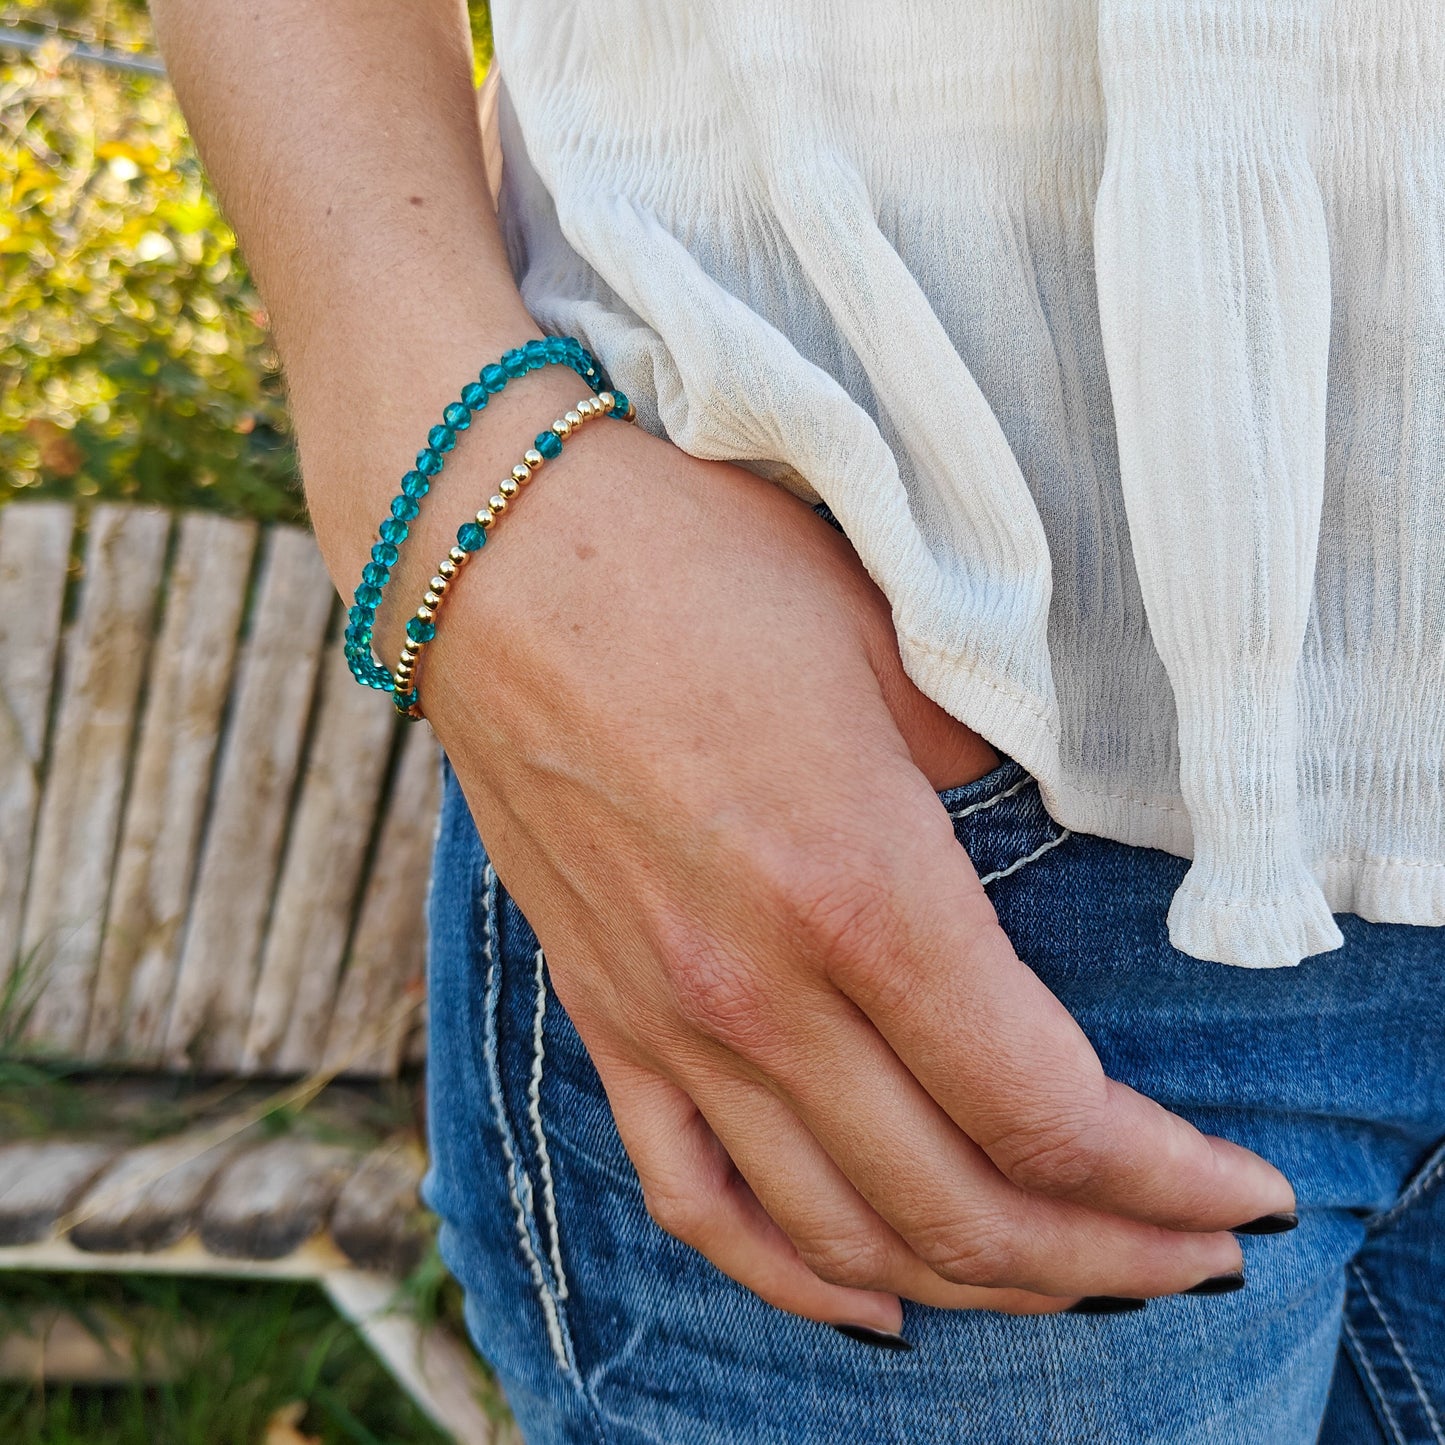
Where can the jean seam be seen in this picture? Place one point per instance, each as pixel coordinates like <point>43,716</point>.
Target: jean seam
<point>1063,837</point>
<point>1432,1172</point>
<point>1398,1346</point>
<point>519,1185</point>
<point>539,1134</point>
<point>1362,1359</point>
<point>969,809</point>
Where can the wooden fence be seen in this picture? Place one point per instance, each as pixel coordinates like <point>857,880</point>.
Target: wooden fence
<point>213,844</point>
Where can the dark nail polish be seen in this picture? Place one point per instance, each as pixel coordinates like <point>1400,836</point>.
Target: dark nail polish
<point>1106,1304</point>
<point>880,1339</point>
<point>1220,1284</point>
<point>1280,1223</point>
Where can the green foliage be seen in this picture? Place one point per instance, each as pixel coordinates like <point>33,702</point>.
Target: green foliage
<point>242,1352</point>
<point>134,360</point>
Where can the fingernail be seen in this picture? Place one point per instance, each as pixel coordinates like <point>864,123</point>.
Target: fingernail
<point>1219,1284</point>
<point>1280,1223</point>
<point>880,1339</point>
<point>1106,1304</point>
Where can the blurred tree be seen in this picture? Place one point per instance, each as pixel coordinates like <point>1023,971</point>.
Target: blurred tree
<point>134,360</point>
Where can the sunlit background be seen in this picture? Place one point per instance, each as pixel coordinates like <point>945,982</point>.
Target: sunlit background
<point>134,360</point>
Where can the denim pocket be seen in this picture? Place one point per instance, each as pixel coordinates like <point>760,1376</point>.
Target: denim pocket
<point>1001,821</point>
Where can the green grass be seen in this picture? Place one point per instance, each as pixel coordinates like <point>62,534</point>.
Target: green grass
<point>243,1352</point>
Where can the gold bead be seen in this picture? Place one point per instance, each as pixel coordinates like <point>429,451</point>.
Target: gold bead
<point>485,519</point>
<point>439,584</point>
<point>533,458</point>
<point>508,487</point>
<point>498,504</point>
<point>457,557</point>
<point>410,653</point>
<point>572,418</point>
<point>562,427</point>
<point>432,600</point>
<point>425,613</point>
<point>585,408</point>
<point>448,568</point>
<point>607,400</point>
<point>521,474</point>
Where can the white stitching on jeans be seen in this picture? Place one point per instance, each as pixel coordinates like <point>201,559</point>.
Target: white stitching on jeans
<point>1028,858</point>
<point>1363,1360</point>
<point>534,1113</point>
<point>989,802</point>
<point>1430,1414</point>
<point>518,1183</point>
<point>1434,1173</point>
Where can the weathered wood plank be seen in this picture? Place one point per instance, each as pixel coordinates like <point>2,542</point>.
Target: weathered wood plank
<point>160,837</point>
<point>85,780</point>
<point>151,1196</point>
<point>41,1181</point>
<point>273,1198</point>
<point>369,1031</point>
<point>34,553</point>
<point>315,902</point>
<point>260,756</point>
<point>377,1221</point>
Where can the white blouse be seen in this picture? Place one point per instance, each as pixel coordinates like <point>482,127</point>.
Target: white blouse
<point>1113,333</point>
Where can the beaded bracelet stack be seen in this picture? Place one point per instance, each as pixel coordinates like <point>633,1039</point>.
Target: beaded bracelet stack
<point>406,506</point>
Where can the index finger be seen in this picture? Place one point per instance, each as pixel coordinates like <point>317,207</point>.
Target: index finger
<point>925,958</point>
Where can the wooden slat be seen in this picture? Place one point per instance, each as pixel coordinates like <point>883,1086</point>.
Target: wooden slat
<point>321,876</point>
<point>237,874</point>
<point>34,552</point>
<point>368,1032</point>
<point>151,1196</point>
<point>160,837</point>
<point>273,1198</point>
<point>85,779</point>
<point>377,1220</point>
<point>39,1182</point>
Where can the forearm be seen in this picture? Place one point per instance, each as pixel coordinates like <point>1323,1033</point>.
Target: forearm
<point>343,139</point>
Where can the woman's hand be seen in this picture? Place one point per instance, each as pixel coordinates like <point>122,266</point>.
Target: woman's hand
<point>675,703</point>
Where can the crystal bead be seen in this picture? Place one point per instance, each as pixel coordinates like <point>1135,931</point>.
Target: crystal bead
<point>470,537</point>
<point>384,553</point>
<point>536,348</point>
<point>494,378</point>
<point>393,530</point>
<point>375,575</point>
<point>367,595</point>
<point>420,631</point>
<point>457,416</point>
<point>429,461</point>
<point>441,438</point>
<point>516,363</point>
<point>621,405</point>
<point>474,395</point>
<point>415,484</point>
<point>549,444</point>
<point>404,509</point>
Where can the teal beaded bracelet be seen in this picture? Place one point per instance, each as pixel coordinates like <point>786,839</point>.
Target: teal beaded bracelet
<point>421,627</point>
<point>361,619</point>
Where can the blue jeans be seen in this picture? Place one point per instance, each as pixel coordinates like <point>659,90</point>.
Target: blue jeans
<point>603,1328</point>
